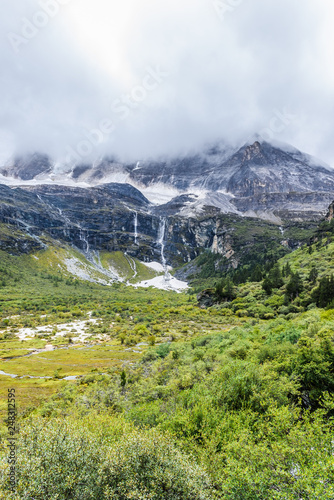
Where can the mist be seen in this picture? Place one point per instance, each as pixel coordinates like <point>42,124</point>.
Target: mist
<point>143,79</point>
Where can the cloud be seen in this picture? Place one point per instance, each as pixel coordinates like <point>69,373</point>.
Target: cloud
<point>145,78</point>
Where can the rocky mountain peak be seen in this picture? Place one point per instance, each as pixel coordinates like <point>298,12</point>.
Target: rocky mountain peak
<point>252,151</point>
<point>258,177</point>
<point>330,213</point>
<point>28,167</point>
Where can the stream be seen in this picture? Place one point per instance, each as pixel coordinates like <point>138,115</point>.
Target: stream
<point>71,377</point>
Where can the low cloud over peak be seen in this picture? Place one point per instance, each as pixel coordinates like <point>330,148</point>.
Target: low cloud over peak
<point>140,79</point>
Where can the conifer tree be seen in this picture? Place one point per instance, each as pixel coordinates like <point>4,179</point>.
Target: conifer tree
<point>313,276</point>
<point>294,286</point>
<point>257,274</point>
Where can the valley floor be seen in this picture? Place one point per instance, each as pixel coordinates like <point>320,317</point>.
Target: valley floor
<point>127,392</point>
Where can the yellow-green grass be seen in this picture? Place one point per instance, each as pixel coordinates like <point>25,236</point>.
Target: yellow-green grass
<point>72,360</point>
<point>15,347</point>
<point>54,259</point>
<point>121,264</point>
<point>30,393</point>
<point>34,300</point>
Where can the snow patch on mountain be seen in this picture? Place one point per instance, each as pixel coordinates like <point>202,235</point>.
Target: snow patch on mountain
<point>159,193</point>
<point>197,203</point>
<point>156,266</point>
<point>172,284</point>
<point>187,184</point>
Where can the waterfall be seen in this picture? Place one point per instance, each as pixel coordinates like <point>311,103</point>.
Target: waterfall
<point>66,219</point>
<point>84,239</point>
<point>132,264</point>
<point>28,229</point>
<point>54,208</point>
<point>282,230</point>
<point>136,227</point>
<point>161,242</point>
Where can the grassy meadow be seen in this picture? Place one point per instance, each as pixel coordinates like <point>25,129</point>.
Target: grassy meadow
<point>168,400</point>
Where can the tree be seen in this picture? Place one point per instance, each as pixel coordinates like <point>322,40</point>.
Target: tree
<point>224,290</point>
<point>294,287</point>
<point>313,276</point>
<point>275,276</point>
<point>229,291</point>
<point>324,294</point>
<point>288,270</point>
<point>267,286</point>
<point>257,274</point>
<point>123,379</point>
<point>219,289</point>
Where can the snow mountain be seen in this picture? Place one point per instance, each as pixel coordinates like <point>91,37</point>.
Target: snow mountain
<point>273,181</point>
<point>100,218</point>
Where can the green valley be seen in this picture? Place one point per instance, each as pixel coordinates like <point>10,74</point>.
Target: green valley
<point>234,400</point>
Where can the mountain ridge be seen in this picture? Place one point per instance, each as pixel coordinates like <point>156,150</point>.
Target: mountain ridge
<point>256,179</point>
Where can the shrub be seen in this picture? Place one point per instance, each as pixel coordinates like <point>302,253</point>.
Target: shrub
<point>163,350</point>
<point>149,467</point>
<point>151,340</point>
<point>100,458</point>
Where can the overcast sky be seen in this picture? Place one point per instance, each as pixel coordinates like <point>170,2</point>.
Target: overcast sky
<point>141,78</point>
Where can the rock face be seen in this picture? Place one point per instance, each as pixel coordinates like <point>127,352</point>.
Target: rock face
<point>117,217</point>
<point>230,180</point>
<point>286,206</point>
<point>205,299</point>
<point>29,167</point>
<point>263,168</point>
<point>330,213</point>
<point>232,204</point>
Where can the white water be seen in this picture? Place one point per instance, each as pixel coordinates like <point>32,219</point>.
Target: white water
<point>161,242</point>
<point>66,219</point>
<point>22,376</point>
<point>110,273</point>
<point>136,227</point>
<point>282,230</point>
<point>53,208</point>
<point>11,375</point>
<point>83,238</point>
<point>132,264</point>
<point>32,235</point>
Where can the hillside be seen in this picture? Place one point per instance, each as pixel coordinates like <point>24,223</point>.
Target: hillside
<point>229,401</point>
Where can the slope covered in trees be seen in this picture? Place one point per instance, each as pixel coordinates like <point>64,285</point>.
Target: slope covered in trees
<point>233,401</point>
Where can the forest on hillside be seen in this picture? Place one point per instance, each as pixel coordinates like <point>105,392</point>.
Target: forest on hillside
<point>231,401</point>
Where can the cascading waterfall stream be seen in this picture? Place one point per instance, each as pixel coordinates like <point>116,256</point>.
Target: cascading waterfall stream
<point>161,242</point>
<point>93,256</point>
<point>84,239</point>
<point>66,219</point>
<point>54,208</point>
<point>132,264</point>
<point>136,227</point>
<point>28,229</point>
<point>96,261</point>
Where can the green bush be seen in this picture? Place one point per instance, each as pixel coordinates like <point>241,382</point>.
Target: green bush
<point>100,458</point>
<point>163,350</point>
